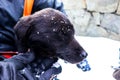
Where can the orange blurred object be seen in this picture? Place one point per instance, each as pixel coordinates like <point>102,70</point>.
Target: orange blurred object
<point>28,4</point>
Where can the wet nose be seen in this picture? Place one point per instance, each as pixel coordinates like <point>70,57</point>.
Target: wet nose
<point>83,54</point>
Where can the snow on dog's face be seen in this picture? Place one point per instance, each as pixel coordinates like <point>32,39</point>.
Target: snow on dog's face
<point>49,33</point>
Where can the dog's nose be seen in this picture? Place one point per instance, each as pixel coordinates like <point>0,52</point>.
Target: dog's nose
<point>83,54</point>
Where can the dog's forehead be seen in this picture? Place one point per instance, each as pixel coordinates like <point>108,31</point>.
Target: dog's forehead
<point>52,15</point>
<point>53,20</point>
<point>48,12</point>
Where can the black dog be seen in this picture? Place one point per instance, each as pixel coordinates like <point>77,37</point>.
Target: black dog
<point>43,38</point>
<point>49,33</point>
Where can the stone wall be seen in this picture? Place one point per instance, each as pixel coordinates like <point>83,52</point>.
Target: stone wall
<point>95,18</point>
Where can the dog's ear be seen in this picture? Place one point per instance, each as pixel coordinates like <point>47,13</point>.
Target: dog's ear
<point>22,26</point>
<point>22,29</point>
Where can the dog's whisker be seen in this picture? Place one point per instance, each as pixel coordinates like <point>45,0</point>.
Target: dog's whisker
<point>62,51</point>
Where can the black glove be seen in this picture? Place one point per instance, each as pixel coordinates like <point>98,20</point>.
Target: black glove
<point>45,68</point>
<point>9,68</point>
<point>20,67</point>
<point>49,74</point>
<point>21,60</point>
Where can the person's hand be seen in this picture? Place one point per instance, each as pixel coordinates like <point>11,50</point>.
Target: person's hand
<point>21,60</point>
<point>51,73</point>
<point>45,68</point>
<point>26,67</point>
<point>9,68</point>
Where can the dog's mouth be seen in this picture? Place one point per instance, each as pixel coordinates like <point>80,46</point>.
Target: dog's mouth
<point>73,58</point>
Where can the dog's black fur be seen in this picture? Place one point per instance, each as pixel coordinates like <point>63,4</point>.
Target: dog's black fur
<point>49,33</point>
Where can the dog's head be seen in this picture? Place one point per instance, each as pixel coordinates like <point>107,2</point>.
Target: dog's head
<point>49,33</point>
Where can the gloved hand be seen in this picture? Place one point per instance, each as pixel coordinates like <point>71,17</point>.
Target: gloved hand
<point>20,67</point>
<point>21,60</point>
<point>45,68</point>
<point>9,68</point>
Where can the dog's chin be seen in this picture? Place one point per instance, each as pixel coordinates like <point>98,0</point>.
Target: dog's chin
<point>73,61</point>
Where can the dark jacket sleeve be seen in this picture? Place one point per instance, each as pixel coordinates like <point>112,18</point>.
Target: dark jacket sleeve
<point>21,60</point>
<point>7,71</point>
<point>41,4</point>
<point>9,68</point>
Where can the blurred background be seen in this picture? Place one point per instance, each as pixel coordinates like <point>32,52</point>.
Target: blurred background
<point>97,29</point>
<point>103,55</point>
<point>96,18</point>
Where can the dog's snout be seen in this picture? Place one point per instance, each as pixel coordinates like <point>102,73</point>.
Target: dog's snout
<point>83,54</point>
